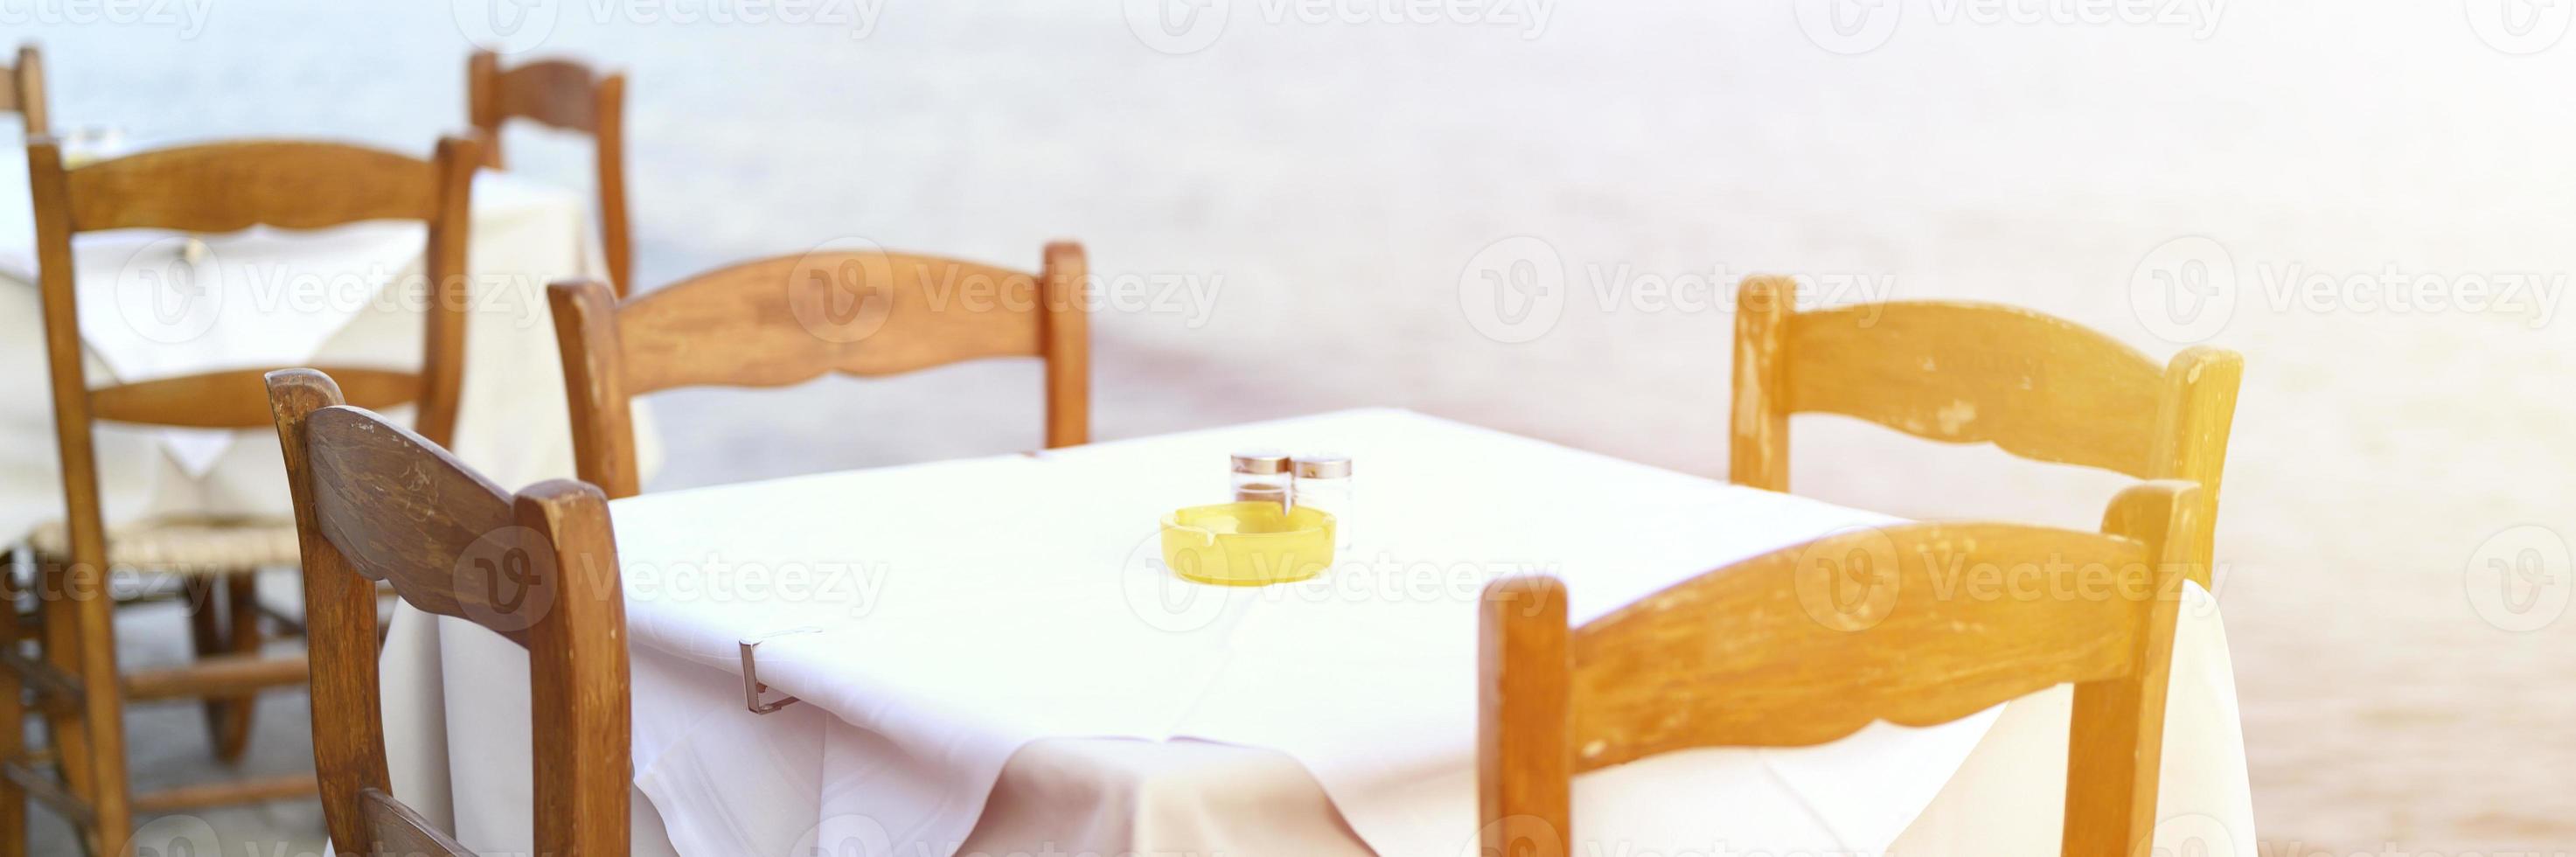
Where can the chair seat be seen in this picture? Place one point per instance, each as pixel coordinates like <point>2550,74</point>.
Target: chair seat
<point>194,546</point>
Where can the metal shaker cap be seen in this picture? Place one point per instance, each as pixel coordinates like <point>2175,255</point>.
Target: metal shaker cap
<point>1323,466</point>
<point>1265,462</point>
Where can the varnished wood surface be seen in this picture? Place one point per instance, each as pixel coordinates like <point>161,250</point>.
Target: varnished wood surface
<point>234,399</point>
<point>770,323</point>
<point>426,524</point>
<point>376,502</point>
<point>2036,386</point>
<point>231,186</point>
<point>24,93</point>
<point>279,787</point>
<point>340,630</point>
<point>790,319</point>
<point>13,711</point>
<point>2039,387</point>
<point>567,96</point>
<point>1770,652</point>
<point>399,830</point>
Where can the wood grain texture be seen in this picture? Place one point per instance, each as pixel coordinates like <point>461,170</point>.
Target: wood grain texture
<point>79,637</point>
<point>12,96</point>
<point>553,92</point>
<point>602,409</point>
<point>2116,729</point>
<point>234,399</point>
<point>340,631</point>
<point>228,718</point>
<point>1524,749</point>
<point>25,92</point>
<point>228,187</point>
<point>1758,449</point>
<point>14,832</point>
<point>402,511</point>
<point>578,676</point>
<point>2036,386</point>
<point>376,502</point>
<point>2193,421</point>
<point>568,96</point>
<point>2039,387</point>
<point>1064,337</point>
<point>399,830</point>
<point>608,175</point>
<point>789,319</point>
<point>1810,643</point>
<point>268,788</point>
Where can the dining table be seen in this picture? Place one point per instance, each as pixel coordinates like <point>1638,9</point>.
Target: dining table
<point>155,304</point>
<point>988,656</point>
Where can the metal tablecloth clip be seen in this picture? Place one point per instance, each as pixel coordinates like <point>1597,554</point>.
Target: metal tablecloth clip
<point>752,688</point>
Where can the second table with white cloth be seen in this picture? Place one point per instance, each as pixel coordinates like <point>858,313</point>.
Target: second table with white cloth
<point>1003,666</point>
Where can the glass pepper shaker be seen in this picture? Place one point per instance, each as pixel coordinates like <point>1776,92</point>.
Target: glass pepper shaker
<point>1323,481</point>
<point>1260,475</point>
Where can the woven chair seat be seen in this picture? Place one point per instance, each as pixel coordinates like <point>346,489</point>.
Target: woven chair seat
<point>192,546</point>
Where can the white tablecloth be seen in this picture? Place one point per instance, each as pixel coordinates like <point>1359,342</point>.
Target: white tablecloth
<point>1004,667</point>
<point>284,298</point>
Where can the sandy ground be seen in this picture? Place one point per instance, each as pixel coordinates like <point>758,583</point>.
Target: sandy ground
<point>1336,190</point>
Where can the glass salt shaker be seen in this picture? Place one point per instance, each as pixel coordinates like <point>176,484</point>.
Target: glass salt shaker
<point>1260,475</point>
<point>1324,483</point>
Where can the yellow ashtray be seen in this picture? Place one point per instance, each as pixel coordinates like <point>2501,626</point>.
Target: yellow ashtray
<point>1247,544</point>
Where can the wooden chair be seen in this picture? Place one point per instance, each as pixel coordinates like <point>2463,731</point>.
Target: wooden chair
<point>568,96</point>
<point>1769,653</point>
<point>2036,386</point>
<point>220,187</point>
<point>784,320</point>
<point>24,93</point>
<point>374,502</point>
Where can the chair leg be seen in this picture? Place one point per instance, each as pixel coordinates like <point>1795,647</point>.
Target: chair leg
<point>80,638</point>
<point>59,644</point>
<point>14,834</point>
<point>206,638</point>
<point>231,716</point>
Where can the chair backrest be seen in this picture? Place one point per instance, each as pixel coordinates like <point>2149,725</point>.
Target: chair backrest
<point>788,319</point>
<point>567,96</point>
<point>2037,386</point>
<point>23,90</point>
<point>374,502</point>
<point>1775,651</point>
<point>226,187</point>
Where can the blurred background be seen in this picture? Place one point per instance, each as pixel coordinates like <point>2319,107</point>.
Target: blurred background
<point>1530,214</point>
